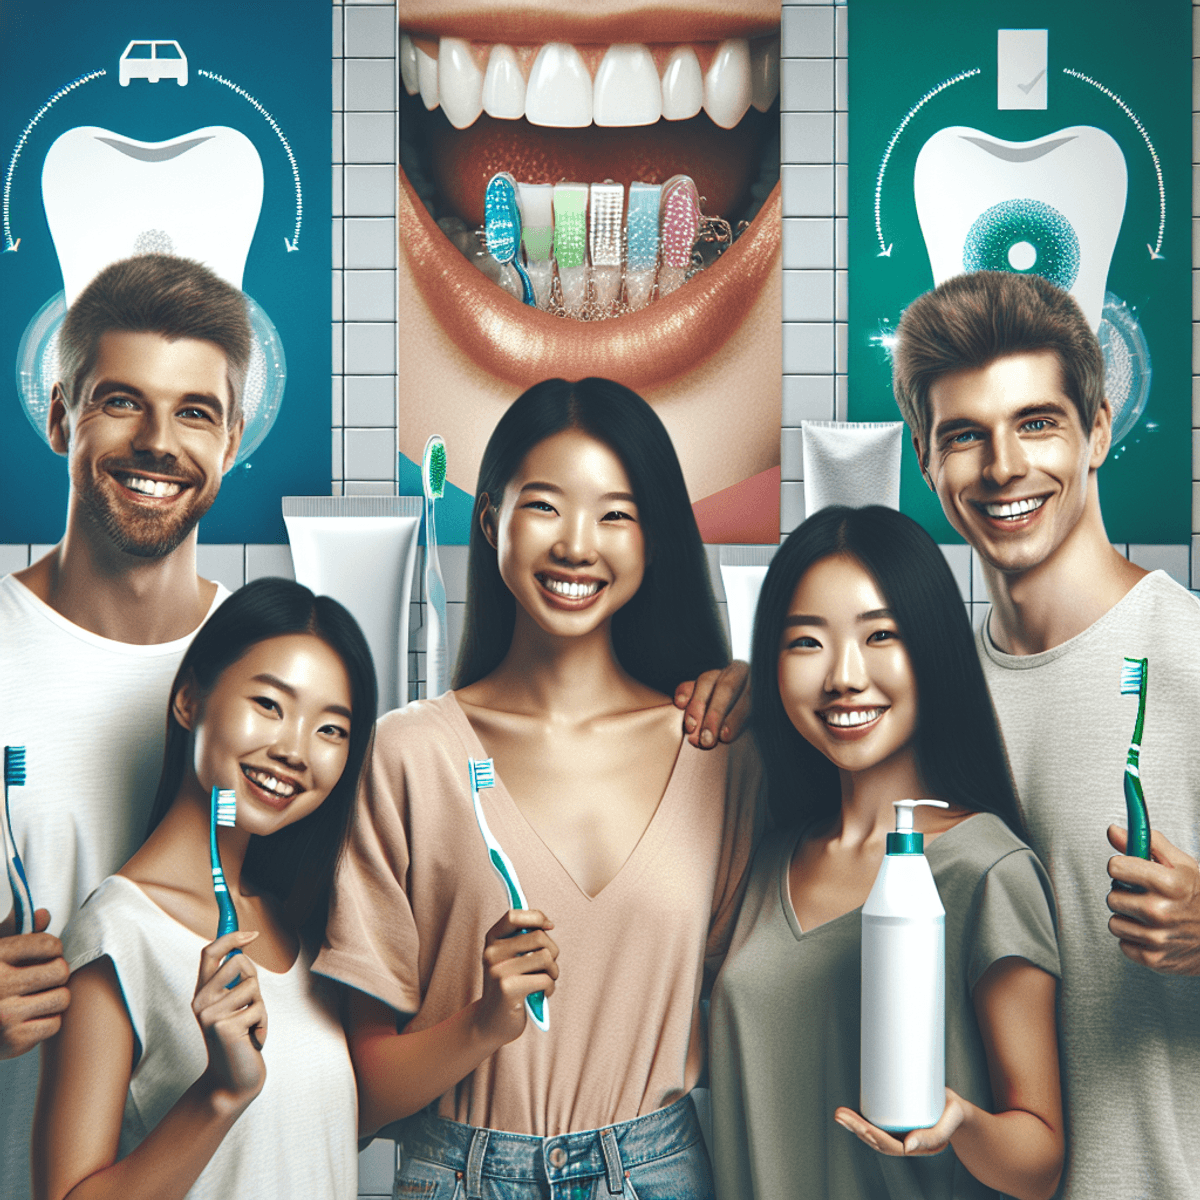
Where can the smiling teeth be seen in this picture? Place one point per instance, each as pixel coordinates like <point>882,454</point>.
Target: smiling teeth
<point>269,783</point>
<point>848,718</point>
<point>1018,508</point>
<point>152,487</point>
<point>572,591</point>
<point>560,92</point>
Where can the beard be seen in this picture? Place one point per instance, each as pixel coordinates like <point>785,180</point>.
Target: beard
<point>145,533</point>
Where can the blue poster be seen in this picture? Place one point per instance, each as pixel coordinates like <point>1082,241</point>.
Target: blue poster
<point>195,130</point>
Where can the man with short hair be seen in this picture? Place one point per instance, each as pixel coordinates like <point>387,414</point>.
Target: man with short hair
<point>1001,381</point>
<point>147,412</point>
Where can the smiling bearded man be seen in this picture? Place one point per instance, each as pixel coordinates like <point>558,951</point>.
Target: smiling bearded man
<point>1001,381</point>
<point>152,357</point>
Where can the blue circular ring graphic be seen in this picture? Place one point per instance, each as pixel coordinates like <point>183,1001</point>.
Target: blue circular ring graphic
<point>1013,222</point>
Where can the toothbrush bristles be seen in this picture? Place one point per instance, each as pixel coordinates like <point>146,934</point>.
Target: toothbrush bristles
<point>14,766</point>
<point>1131,676</point>
<point>226,806</point>
<point>482,773</point>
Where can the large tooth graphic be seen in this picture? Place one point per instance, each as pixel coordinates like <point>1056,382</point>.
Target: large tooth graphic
<point>108,196</point>
<point>1052,206</point>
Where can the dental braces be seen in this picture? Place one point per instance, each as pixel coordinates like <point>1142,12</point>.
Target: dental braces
<point>578,250</point>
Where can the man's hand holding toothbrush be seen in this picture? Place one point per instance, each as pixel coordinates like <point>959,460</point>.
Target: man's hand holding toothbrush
<point>33,985</point>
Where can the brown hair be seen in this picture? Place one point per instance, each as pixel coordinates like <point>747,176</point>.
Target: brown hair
<point>156,293</point>
<point>969,321</point>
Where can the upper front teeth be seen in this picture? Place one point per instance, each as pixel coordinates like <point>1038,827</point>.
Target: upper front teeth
<point>560,91</point>
<point>1017,508</point>
<point>269,782</point>
<point>573,591</point>
<point>152,487</point>
<point>850,717</point>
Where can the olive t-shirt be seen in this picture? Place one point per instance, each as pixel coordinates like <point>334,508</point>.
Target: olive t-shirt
<point>785,1022</point>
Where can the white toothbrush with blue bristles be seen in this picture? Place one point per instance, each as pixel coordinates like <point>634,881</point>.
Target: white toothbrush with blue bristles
<point>14,776</point>
<point>223,811</point>
<point>483,775</point>
<point>433,484</point>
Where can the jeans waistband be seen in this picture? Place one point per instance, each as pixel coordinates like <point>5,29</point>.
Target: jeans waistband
<point>520,1157</point>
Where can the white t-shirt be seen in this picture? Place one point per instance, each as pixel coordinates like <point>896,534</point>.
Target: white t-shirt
<point>298,1137</point>
<point>91,714</point>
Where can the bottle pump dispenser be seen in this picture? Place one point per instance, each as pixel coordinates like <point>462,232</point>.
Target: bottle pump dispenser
<point>903,1037</point>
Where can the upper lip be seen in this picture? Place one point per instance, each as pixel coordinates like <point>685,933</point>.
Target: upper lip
<point>582,28</point>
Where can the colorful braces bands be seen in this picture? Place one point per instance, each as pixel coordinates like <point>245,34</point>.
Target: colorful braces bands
<point>576,249</point>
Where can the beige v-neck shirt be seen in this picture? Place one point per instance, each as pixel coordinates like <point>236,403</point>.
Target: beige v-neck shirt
<point>415,895</point>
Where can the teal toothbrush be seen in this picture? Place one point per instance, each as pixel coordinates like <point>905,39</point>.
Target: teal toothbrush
<point>1134,672</point>
<point>223,811</point>
<point>14,776</point>
<point>483,775</point>
<point>433,483</point>
<point>502,227</point>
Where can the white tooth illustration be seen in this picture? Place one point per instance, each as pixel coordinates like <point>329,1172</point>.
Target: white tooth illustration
<point>1052,206</point>
<point>627,90</point>
<point>560,89</point>
<point>503,85</point>
<point>460,83</point>
<point>427,76</point>
<point>107,196</point>
<point>727,90</point>
<point>682,85</point>
<point>408,65</point>
<point>764,73</point>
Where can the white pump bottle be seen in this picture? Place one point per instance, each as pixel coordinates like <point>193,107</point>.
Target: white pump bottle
<point>903,1039</point>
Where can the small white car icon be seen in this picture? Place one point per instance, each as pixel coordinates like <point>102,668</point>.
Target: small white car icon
<point>153,60</point>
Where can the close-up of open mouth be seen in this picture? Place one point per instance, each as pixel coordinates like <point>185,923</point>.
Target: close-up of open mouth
<point>590,181</point>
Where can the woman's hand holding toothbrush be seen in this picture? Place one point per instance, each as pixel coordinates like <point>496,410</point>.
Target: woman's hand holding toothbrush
<point>519,958</point>
<point>233,1021</point>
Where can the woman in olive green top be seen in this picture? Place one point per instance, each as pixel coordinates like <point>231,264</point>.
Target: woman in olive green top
<point>867,689</point>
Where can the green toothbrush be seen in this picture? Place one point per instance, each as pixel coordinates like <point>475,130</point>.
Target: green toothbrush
<point>1134,672</point>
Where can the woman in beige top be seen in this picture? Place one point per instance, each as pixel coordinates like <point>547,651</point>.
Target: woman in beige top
<point>588,600</point>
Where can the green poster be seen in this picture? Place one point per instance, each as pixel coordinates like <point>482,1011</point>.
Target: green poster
<point>1050,137</point>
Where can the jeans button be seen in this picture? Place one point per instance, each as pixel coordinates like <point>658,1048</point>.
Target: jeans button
<point>558,1157</point>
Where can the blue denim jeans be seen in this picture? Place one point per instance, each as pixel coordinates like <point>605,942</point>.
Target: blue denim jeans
<point>660,1156</point>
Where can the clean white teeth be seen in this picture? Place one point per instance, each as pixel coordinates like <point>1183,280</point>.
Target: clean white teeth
<point>627,89</point>
<point>152,487</point>
<point>503,85</point>
<point>1018,508</point>
<point>682,85</point>
<point>764,73</point>
<point>108,196</point>
<point>427,78</point>
<point>560,92</point>
<point>727,88</point>
<point>460,83</point>
<point>572,591</point>
<point>269,783</point>
<point>849,719</point>
<point>408,65</point>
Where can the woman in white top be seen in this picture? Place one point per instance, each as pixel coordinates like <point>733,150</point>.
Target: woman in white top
<point>163,1083</point>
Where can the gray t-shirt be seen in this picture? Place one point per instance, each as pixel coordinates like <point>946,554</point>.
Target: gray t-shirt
<point>1130,1038</point>
<point>785,1022</point>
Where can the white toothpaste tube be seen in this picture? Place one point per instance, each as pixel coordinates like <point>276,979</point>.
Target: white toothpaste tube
<point>743,569</point>
<point>851,462</point>
<point>361,550</point>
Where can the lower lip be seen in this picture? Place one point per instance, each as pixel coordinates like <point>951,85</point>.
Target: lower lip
<point>270,799</point>
<point>570,603</point>
<point>852,733</point>
<point>1009,524</point>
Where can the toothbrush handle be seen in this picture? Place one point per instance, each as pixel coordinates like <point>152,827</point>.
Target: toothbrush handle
<point>22,898</point>
<point>1138,821</point>
<point>535,1002</point>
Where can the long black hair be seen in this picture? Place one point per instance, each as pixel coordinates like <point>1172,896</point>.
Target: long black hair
<point>295,864</point>
<point>670,630</point>
<point>957,745</point>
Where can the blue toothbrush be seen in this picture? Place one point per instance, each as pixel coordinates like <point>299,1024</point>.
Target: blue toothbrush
<point>502,227</point>
<point>14,776</point>
<point>483,775</point>
<point>223,811</point>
